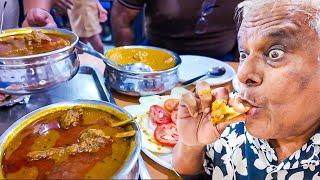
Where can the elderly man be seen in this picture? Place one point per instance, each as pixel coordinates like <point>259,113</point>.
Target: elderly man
<point>279,76</point>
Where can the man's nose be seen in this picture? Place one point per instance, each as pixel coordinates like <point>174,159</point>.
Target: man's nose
<point>250,72</point>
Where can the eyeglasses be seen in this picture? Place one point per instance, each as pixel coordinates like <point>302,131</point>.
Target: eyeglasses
<point>206,9</point>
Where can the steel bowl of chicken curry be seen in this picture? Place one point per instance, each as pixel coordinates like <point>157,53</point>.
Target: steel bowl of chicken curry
<point>72,140</point>
<point>35,59</point>
<point>127,72</point>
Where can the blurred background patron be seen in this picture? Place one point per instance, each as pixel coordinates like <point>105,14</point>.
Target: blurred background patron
<point>185,26</point>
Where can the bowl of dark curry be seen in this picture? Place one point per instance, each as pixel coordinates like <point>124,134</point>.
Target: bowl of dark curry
<point>34,60</point>
<point>72,140</point>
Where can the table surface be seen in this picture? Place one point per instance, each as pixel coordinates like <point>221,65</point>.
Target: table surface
<point>155,170</point>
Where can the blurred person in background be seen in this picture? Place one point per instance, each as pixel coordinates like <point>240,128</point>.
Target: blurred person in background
<point>85,17</point>
<point>63,5</point>
<point>30,12</point>
<point>59,12</point>
<point>185,26</point>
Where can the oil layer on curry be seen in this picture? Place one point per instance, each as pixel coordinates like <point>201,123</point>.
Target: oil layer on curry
<point>81,142</point>
<point>35,42</point>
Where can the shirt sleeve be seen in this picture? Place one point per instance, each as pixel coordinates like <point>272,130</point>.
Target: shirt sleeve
<point>133,4</point>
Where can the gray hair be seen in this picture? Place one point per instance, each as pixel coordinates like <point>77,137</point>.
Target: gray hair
<point>305,6</point>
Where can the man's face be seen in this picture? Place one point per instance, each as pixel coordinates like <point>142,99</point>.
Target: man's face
<point>279,72</point>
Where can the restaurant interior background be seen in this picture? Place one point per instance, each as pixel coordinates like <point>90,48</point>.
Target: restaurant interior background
<point>70,111</point>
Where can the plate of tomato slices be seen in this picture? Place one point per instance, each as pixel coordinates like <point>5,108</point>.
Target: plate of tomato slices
<point>156,117</point>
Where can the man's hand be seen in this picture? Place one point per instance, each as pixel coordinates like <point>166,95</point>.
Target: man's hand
<point>195,127</point>
<point>194,116</point>
<point>38,17</point>
<point>103,14</point>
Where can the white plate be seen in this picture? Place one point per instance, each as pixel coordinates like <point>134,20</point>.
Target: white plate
<point>162,159</point>
<point>160,154</point>
<point>193,66</point>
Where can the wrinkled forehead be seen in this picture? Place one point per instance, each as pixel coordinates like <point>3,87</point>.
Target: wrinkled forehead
<point>276,19</point>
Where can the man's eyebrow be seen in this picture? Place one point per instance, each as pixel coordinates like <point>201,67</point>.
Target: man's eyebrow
<point>279,33</point>
<point>283,32</point>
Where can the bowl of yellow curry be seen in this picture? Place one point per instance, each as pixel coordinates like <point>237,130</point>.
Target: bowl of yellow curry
<point>162,77</point>
<point>72,140</point>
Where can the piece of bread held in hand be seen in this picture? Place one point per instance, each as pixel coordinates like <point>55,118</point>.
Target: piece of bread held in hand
<point>214,101</point>
<point>223,107</point>
<point>222,111</point>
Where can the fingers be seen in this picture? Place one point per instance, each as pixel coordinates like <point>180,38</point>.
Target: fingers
<point>39,17</point>
<point>203,91</point>
<point>103,17</point>
<point>238,106</point>
<point>207,132</point>
<point>189,101</point>
<point>221,93</point>
<point>103,14</point>
<point>51,24</point>
<point>183,112</point>
<point>234,102</point>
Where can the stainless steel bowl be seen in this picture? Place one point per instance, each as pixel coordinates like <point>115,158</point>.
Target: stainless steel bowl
<point>37,73</point>
<point>143,83</point>
<point>129,170</point>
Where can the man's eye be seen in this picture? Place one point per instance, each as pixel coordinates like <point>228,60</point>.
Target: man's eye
<point>243,56</point>
<point>276,54</point>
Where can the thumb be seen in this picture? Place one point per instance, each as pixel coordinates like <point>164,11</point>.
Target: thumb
<point>50,23</point>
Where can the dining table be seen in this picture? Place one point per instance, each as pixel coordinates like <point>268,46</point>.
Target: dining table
<point>155,170</point>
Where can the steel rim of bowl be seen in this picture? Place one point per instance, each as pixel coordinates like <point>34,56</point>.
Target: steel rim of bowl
<point>74,40</point>
<point>43,62</point>
<point>133,157</point>
<point>175,55</point>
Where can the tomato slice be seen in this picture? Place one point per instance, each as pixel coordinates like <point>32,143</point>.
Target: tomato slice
<point>159,115</point>
<point>174,116</point>
<point>166,134</point>
<point>171,104</point>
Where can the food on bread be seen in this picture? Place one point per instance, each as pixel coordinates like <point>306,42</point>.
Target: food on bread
<point>222,111</point>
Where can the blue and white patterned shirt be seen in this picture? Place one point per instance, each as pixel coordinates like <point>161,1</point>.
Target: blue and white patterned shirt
<point>238,155</point>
